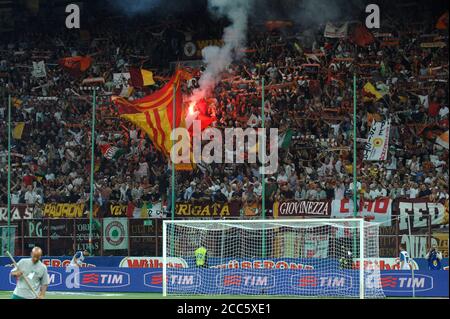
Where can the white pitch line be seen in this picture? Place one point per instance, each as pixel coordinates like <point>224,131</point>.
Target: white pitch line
<point>83,293</point>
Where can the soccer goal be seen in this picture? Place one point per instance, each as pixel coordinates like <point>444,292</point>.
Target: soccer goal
<point>301,257</point>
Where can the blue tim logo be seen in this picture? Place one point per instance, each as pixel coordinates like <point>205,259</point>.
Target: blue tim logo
<point>104,279</point>
<point>405,283</point>
<point>55,279</point>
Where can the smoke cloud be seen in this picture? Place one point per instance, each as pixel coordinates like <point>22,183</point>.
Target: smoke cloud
<point>217,59</point>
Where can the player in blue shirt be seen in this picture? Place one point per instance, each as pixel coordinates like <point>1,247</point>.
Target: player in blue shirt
<point>434,258</point>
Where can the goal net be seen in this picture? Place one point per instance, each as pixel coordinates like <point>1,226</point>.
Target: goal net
<point>303,257</point>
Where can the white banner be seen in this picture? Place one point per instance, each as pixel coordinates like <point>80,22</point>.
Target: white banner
<point>418,211</point>
<point>376,148</point>
<point>115,233</point>
<point>332,31</point>
<point>121,79</point>
<point>378,210</point>
<point>39,70</point>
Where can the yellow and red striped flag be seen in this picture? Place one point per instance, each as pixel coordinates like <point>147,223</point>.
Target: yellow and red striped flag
<point>154,113</point>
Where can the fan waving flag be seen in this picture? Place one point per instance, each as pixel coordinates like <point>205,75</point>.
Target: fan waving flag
<point>141,77</point>
<point>362,37</point>
<point>154,113</point>
<point>76,64</point>
<point>370,92</point>
<point>443,140</point>
<point>111,152</point>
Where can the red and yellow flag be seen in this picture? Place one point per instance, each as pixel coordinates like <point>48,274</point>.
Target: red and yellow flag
<point>140,77</point>
<point>154,113</point>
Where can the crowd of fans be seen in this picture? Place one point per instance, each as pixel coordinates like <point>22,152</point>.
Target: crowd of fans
<point>51,160</point>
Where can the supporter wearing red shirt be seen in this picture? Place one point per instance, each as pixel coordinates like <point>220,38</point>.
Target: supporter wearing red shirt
<point>433,109</point>
<point>28,179</point>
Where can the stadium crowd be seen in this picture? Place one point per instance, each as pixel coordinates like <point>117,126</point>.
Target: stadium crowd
<point>309,93</point>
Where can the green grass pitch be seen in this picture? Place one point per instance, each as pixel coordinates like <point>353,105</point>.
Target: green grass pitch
<point>143,295</point>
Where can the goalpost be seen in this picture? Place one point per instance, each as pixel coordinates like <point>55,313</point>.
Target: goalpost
<point>301,257</point>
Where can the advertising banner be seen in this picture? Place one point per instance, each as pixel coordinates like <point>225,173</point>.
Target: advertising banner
<point>208,209</point>
<point>115,233</point>
<point>378,210</point>
<point>376,148</point>
<point>177,262</point>
<point>238,281</point>
<point>301,208</point>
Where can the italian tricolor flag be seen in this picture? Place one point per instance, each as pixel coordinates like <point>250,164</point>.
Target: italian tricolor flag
<point>111,152</point>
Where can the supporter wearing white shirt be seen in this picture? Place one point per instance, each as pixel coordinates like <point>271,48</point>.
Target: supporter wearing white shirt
<point>414,165</point>
<point>189,191</point>
<point>133,134</point>
<point>358,186</point>
<point>31,197</point>
<point>413,191</point>
<point>77,181</point>
<point>123,192</point>
<point>338,166</point>
<point>329,167</point>
<point>282,177</point>
<point>429,179</point>
<point>321,171</point>
<point>15,197</point>
<point>374,193</point>
<point>257,189</point>
<point>143,169</point>
<point>289,168</point>
<point>339,191</point>
<point>443,111</point>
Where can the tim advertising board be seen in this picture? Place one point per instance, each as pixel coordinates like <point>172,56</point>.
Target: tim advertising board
<point>93,279</point>
<point>212,281</point>
<point>422,283</point>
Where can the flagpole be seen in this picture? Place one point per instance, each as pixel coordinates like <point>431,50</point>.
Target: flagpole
<point>173,142</point>
<point>173,169</point>
<point>263,177</point>
<point>9,173</point>
<point>355,206</point>
<point>91,196</point>
<point>355,209</point>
